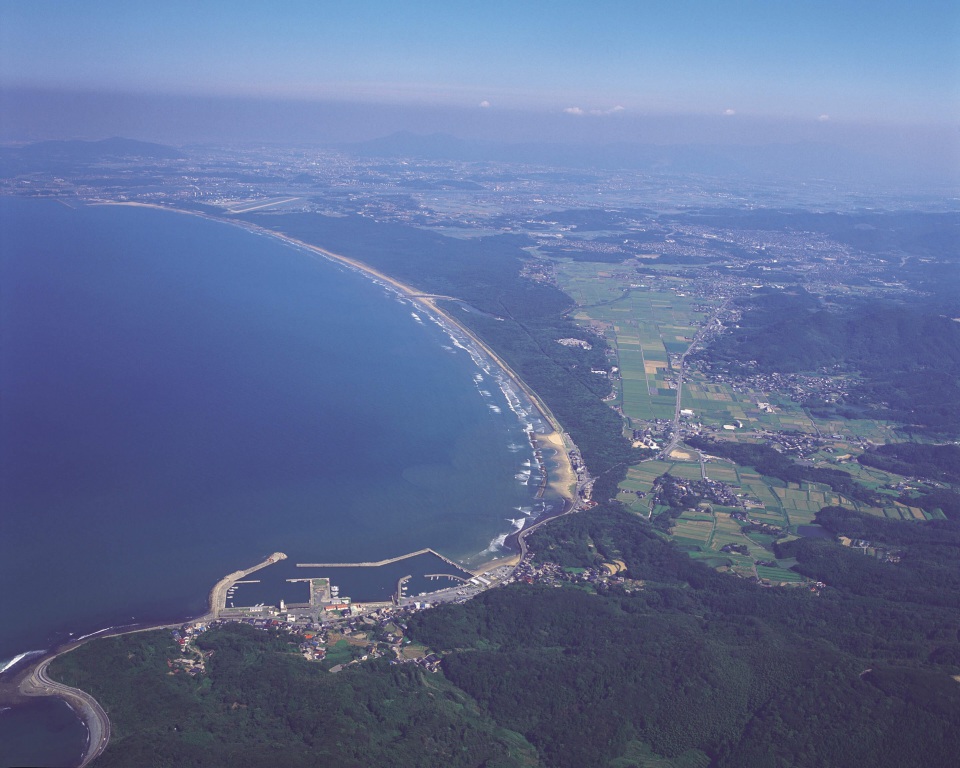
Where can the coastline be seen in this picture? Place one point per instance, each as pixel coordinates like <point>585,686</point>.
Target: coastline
<point>564,484</point>
<point>218,595</point>
<point>565,481</point>
<point>33,681</point>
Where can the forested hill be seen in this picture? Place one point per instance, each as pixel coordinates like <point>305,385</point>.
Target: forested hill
<point>909,359</point>
<point>702,668</point>
<point>933,462</point>
<point>675,666</point>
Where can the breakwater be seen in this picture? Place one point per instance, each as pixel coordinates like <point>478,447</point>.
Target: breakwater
<point>218,595</point>
<point>388,561</point>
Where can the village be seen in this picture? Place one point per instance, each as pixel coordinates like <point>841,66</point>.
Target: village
<point>353,633</point>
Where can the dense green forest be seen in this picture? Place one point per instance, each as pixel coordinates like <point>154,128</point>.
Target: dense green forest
<point>698,662</point>
<point>927,573</point>
<point>908,359</point>
<point>678,665</point>
<point>933,462</point>
<point>261,704</point>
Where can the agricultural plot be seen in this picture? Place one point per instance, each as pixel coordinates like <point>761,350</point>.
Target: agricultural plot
<point>693,529</point>
<point>583,281</point>
<point>725,473</point>
<point>648,326</point>
<point>778,575</point>
<point>853,430</point>
<point>715,404</point>
<point>645,327</point>
<point>688,471</point>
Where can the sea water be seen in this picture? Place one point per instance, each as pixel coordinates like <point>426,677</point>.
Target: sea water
<point>180,397</point>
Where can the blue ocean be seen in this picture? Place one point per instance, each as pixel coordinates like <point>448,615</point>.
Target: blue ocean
<point>180,397</point>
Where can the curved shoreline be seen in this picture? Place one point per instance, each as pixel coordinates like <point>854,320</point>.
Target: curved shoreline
<point>557,439</point>
<point>33,681</point>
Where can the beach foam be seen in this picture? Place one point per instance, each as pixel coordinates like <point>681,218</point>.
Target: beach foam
<point>11,663</point>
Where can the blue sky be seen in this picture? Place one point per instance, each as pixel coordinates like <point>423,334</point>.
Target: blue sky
<point>850,60</point>
<point>846,61</point>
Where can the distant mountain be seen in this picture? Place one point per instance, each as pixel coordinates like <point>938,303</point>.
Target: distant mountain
<point>807,160</point>
<point>55,155</point>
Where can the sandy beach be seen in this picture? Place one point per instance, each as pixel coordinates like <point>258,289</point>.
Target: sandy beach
<point>564,482</point>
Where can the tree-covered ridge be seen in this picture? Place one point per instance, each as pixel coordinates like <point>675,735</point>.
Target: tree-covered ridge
<point>677,665</point>
<point>696,662</point>
<point>261,704</point>
<point>484,271</point>
<point>933,462</point>
<point>568,388</point>
<point>908,358</point>
<point>925,572</point>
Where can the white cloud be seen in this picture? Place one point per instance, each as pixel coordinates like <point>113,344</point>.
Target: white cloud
<point>484,104</point>
<point>823,118</point>
<point>729,111</point>
<point>581,111</point>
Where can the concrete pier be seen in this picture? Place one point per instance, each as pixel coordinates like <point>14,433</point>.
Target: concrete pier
<point>380,563</point>
<point>400,583</point>
<point>445,576</point>
<point>218,595</point>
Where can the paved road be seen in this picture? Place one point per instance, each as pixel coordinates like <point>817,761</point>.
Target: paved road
<point>37,683</point>
<point>674,441</point>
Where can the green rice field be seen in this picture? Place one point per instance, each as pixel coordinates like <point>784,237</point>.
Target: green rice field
<point>645,326</point>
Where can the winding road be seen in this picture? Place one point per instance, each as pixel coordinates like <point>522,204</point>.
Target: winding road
<point>36,683</point>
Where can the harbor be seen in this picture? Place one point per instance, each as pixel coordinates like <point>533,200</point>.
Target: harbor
<point>319,591</point>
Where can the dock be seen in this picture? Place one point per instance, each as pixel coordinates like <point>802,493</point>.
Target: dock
<point>388,561</point>
<point>400,584</point>
<point>218,595</point>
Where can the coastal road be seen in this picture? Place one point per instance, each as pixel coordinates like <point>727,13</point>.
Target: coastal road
<point>37,683</point>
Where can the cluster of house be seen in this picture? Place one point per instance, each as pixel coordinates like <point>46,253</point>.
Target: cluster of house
<point>669,488</point>
<point>882,554</point>
<point>800,387</point>
<point>378,634</point>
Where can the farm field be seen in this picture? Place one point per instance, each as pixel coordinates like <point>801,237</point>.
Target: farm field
<point>643,326</point>
<point>649,324</point>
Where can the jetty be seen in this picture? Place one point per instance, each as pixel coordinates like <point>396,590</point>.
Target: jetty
<point>435,576</point>
<point>388,561</point>
<point>218,595</point>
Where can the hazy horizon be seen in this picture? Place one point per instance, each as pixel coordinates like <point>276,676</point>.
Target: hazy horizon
<point>881,78</point>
